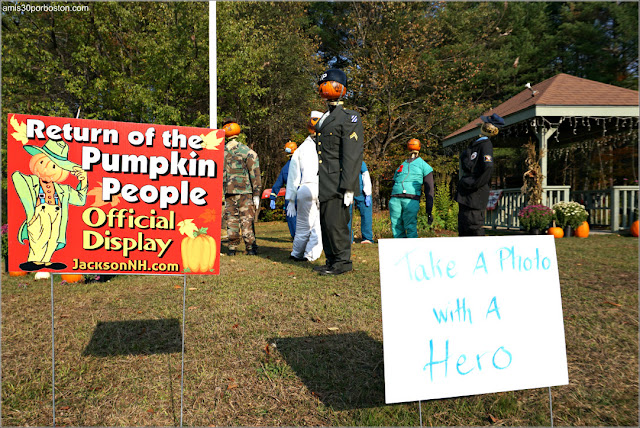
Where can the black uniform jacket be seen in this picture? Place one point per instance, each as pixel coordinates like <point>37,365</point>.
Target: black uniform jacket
<point>476,164</point>
<point>339,142</point>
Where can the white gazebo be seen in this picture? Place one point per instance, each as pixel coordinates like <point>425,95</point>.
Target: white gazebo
<point>560,111</point>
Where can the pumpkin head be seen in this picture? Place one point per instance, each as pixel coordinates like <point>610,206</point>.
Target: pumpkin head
<point>557,232</point>
<point>332,84</point>
<point>290,147</point>
<point>231,129</point>
<point>71,277</point>
<point>313,121</point>
<point>582,231</point>
<point>634,229</point>
<point>413,145</point>
<point>42,166</point>
<point>331,90</point>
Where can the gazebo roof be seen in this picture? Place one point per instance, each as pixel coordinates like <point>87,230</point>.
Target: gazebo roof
<point>560,95</point>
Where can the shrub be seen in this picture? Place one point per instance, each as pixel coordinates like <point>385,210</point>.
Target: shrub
<point>381,225</point>
<point>445,210</point>
<point>5,239</point>
<point>535,217</point>
<point>569,214</point>
<point>267,214</point>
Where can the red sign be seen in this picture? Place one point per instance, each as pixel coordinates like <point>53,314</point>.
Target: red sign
<point>92,196</point>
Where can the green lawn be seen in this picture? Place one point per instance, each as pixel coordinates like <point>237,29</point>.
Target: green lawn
<point>269,342</point>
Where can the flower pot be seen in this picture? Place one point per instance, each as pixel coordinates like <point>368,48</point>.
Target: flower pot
<point>567,231</point>
<point>534,231</point>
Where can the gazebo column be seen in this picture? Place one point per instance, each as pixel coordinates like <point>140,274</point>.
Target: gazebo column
<point>543,137</point>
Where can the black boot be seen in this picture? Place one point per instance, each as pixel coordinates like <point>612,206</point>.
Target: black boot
<point>252,251</point>
<point>231,252</point>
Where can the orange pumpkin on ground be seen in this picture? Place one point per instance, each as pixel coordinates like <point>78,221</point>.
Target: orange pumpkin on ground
<point>198,249</point>
<point>71,277</point>
<point>17,273</point>
<point>582,231</point>
<point>557,232</point>
<point>634,228</point>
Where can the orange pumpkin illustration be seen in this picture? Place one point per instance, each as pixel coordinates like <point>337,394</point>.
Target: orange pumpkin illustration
<point>198,249</point>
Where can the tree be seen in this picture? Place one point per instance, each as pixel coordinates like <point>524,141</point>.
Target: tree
<point>597,41</point>
<point>267,66</point>
<point>407,67</point>
<point>138,62</point>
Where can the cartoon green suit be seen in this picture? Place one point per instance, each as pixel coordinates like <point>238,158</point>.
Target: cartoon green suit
<point>27,187</point>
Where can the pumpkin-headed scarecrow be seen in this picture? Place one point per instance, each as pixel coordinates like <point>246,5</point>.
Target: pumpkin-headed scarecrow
<point>46,202</point>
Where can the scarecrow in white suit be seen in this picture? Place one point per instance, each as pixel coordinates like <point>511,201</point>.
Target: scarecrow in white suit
<point>302,187</point>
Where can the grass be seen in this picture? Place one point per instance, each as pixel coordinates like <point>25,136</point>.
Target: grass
<point>269,342</point>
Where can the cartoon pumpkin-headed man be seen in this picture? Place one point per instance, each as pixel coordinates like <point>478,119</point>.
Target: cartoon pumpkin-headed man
<point>46,202</point>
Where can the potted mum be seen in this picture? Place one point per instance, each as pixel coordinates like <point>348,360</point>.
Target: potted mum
<point>535,218</point>
<point>569,215</point>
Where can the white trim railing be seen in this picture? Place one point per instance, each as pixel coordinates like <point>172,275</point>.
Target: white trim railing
<point>615,207</point>
<point>506,212</point>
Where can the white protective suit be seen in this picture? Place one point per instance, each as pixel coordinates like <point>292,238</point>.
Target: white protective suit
<point>302,186</point>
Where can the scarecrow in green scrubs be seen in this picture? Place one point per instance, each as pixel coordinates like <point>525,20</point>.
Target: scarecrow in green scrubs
<point>408,180</point>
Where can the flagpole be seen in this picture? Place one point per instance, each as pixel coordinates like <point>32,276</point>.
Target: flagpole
<point>213,72</point>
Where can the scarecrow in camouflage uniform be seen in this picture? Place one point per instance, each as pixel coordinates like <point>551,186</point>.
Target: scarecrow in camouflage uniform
<point>241,187</point>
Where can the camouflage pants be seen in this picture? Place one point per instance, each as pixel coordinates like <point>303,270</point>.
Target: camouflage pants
<point>239,212</point>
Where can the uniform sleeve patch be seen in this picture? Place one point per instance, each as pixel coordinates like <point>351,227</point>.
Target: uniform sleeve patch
<point>354,135</point>
<point>354,118</point>
<point>488,158</point>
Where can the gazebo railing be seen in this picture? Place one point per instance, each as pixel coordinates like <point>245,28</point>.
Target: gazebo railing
<point>512,201</point>
<point>613,208</point>
<point>506,212</point>
<point>553,194</point>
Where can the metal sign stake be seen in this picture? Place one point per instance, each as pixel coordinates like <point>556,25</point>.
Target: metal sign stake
<point>53,358</point>
<point>184,303</point>
<point>551,406</point>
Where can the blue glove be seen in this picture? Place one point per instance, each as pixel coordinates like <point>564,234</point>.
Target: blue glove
<point>367,201</point>
<point>272,204</point>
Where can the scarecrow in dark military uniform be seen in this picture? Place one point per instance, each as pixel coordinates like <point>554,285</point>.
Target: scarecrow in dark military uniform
<point>241,186</point>
<point>476,164</point>
<point>339,142</point>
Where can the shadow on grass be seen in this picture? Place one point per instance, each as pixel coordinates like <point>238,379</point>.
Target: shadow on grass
<point>272,239</point>
<point>344,370</point>
<point>136,337</point>
<point>266,252</point>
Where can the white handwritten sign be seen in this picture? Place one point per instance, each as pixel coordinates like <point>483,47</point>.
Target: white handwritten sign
<point>470,315</point>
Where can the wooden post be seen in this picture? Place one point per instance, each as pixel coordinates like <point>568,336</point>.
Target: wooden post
<point>543,138</point>
<point>615,209</point>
